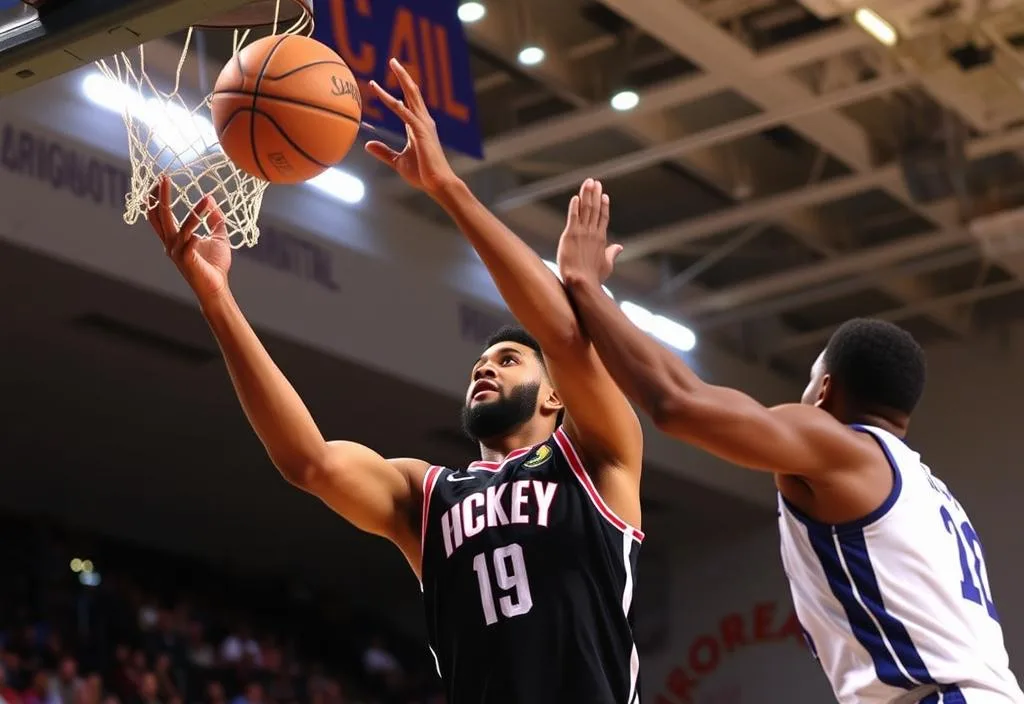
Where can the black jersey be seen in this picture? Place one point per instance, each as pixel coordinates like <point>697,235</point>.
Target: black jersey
<point>528,582</point>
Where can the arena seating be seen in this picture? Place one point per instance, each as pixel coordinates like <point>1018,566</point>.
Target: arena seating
<point>138,626</point>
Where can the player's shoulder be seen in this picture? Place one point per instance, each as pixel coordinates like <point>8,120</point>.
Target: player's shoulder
<point>836,444</point>
<point>413,469</point>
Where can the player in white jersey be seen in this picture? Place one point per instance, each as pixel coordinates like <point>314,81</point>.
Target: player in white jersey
<point>887,574</point>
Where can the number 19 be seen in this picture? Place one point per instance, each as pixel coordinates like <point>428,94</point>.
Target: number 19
<point>510,574</point>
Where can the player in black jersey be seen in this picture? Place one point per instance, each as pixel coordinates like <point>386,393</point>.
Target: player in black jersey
<point>527,558</point>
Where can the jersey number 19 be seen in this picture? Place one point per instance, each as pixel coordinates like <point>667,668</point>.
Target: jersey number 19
<point>510,576</point>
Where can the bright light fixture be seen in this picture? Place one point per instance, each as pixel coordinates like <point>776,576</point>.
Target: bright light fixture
<point>340,185</point>
<point>185,135</point>
<point>872,23</point>
<point>531,55</point>
<point>471,12</point>
<point>668,331</point>
<point>625,100</point>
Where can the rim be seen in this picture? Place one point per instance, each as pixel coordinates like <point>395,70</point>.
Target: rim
<point>260,13</point>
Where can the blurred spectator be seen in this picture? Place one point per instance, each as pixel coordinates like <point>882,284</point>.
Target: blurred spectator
<point>239,647</point>
<point>215,693</point>
<point>66,684</point>
<point>140,638</point>
<point>8,695</point>
<point>40,692</point>
<point>149,688</point>
<point>91,691</point>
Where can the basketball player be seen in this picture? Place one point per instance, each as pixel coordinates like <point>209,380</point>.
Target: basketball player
<point>527,557</point>
<point>886,571</point>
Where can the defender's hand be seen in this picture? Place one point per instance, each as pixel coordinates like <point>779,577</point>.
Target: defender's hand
<point>203,261</point>
<point>583,250</point>
<point>422,163</point>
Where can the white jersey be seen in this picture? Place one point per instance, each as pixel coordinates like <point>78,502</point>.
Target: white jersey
<point>897,606</point>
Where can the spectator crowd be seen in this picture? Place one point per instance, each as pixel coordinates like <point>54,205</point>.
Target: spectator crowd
<point>142,627</point>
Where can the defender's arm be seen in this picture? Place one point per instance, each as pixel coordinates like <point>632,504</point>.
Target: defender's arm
<point>788,439</point>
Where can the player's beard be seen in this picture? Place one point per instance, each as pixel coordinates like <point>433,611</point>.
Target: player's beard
<point>487,421</point>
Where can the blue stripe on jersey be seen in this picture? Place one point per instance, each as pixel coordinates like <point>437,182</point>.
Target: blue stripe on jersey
<point>858,562</point>
<point>864,629</point>
<point>953,695</point>
<point>932,698</point>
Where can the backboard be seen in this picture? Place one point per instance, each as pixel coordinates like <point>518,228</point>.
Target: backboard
<point>45,38</point>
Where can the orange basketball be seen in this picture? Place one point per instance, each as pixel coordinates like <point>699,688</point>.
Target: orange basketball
<point>286,108</point>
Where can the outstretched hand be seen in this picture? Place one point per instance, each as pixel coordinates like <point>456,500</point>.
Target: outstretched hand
<point>203,261</point>
<point>422,163</point>
<point>583,250</point>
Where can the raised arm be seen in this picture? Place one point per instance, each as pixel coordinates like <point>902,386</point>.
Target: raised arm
<point>601,421</point>
<point>789,439</point>
<point>376,495</point>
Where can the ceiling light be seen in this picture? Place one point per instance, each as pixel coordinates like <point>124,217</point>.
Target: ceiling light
<point>625,100</point>
<point>873,24</point>
<point>340,184</point>
<point>186,136</point>
<point>668,331</point>
<point>531,55</point>
<point>471,12</point>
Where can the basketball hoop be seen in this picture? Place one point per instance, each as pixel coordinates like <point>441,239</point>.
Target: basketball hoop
<point>168,135</point>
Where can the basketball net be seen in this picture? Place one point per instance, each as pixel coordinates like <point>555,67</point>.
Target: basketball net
<point>170,136</point>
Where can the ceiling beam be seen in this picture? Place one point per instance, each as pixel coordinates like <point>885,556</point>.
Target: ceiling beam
<point>588,81</point>
<point>683,29</point>
<point>820,336</point>
<point>773,207</point>
<point>793,280</point>
<point>843,287</point>
<point>657,98</point>
<point>693,142</point>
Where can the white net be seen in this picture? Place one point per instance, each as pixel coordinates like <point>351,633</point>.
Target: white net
<point>168,136</point>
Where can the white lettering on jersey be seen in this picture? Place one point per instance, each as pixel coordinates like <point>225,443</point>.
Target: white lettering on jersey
<point>529,501</point>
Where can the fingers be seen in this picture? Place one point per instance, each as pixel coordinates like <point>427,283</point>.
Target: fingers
<point>215,221</point>
<point>183,237</point>
<point>392,103</point>
<point>605,215</point>
<point>168,222</point>
<point>410,90</point>
<point>596,192</point>
<point>382,152</point>
<point>160,216</point>
<point>574,211</point>
<point>153,214</point>
<point>611,253</point>
<point>584,202</point>
<point>590,203</point>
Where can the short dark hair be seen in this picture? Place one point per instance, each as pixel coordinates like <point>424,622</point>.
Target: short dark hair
<point>515,333</point>
<point>876,364</point>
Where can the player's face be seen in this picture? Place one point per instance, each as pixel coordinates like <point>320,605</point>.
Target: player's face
<point>500,369</point>
<point>816,386</point>
<point>504,388</point>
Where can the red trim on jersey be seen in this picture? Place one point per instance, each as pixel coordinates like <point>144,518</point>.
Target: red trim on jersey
<point>495,466</point>
<point>429,480</point>
<point>562,438</point>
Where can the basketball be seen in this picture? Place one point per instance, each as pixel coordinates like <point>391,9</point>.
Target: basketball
<point>286,108</point>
